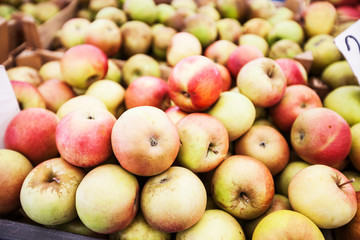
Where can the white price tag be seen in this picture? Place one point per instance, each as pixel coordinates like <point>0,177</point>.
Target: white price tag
<point>9,106</point>
<point>348,42</point>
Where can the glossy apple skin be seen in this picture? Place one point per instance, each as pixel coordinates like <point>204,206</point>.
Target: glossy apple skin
<point>240,56</point>
<point>55,92</point>
<point>83,64</point>
<point>32,133</point>
<point>83,136</point>
<point>147,91</point>
<point>265,144</point>
<point>174,200</point>
<point>98,211</point>
<point>321,136</point>
<point>14,167</point>
<point>293,225</point>
<point>308,189</point>
<point>48,193</point>
<point>145,141</point>
<point>204,142</point>
<point>27,95</point>
<point>233,188</point>
<point>294,71</point>
<point>297,99</point>
<point>351,230</point>
<point>195,83</point>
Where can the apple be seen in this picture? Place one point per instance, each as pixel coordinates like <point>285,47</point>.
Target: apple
<point>240,56</point>
<point>237,9</point>
<point>173,200</point>
<point>258,26</point>
<point>256,41</point>
<point>175,114</point>
<point>88,129</point>
<point>234,190</point>
<point>282,13</point>
<point>43,11</point>
<point>293,225</point>
<point>354,154</point>
<point>283,179</point>
<point>140,65</point>
<point>262,81</point>
<point>78,102</point>
<point>96,5</point>
<point>149,150</point>
<point>25,74</point>
<point>101,213</point>
<point>182,45</point>
<point>147,91</point>
<point>286,29</point>
<point>164,12</point>
<point>202,27</point>
<point>27,95</point>
<point>72,32</point>
<point>115,14</point>
<point>225,76</point>
<point>351,229</point>
<point>296,100</point>
<point>187,88</point>
<point>136,37</point>
<point>47,194</point>
<point>145,12</point>
<point>190,4</point>
<point>284,48</point>
<point>77,227</point>
<point>321,136</point>
<point>55,92</point>
<point>308,189</point>
<point>79,71</point>
<point>140,229</point>
<point>294,71</point>
<point>162,36</point>
<point>111,93</point>
<point>177,19</point>
<point>14,167</point>
<point>204,142</point>
<point>235,111</point>
<point>228,29</point>
<point>104,34</point>
<point>345,101</point>
<point>50,70</point>
<point>265,144</point>
<point>32,133</point>
<point>347,13</point>
<point>214,224</point>
<point>279,202</point>
<point>339,74</point>
<point>210,11</point>
<point>324,52</point>
<point>356,176</point>
<point>114,72</point>
<point>319,18</point>
<point>219,51</point>
<point>261,9</point>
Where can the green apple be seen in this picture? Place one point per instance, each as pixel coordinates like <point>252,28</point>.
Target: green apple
<point>109,92</point>
<point>48,193</point>
<point>162,36</point>
<point>77,227</point>
<point>220,50</point>
<point>14,167</point>
<point>308,189</point>
<point>101,213</point>
<point>286,29</point>
<point>144,11</point>
<point>97,5</point>
<point>324,52</point>
<point>189,4</point>
<point>173,200</point>
<point>286,224</point>
<point>50,70</point>
<point>140,65</point>
<point>72,33</point>
<point>261,9</point>
<point>281,14</point>
<point>228,29</point>
<point>354,154</point>
<point>114,14</point>
<point>45,10</point>
<point>284,48</point>
<point>257,26</point>
<point>345,101</point>
<point>235,111</point>
<point>210,11</point>
<point>203,27</point>
<point>338,74</point>
<point>256,41</point>
<point>164,12</point>
<point>114,72</point>
<point>233,9</point>
<point>215,224</point>
<point>233,187</point>
<point>283,179</point>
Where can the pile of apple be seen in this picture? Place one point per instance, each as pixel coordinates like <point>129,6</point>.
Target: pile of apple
<point>235,142</point>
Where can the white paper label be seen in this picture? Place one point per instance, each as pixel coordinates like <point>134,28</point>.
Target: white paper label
<point>9,106</point>
<point>348,42</point>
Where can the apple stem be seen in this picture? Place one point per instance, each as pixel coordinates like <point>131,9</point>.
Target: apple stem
<point>271,71</point>
<point>243,195</point>
<point>347,182</point>
<point>55,179</point>
<point>186,94</point>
